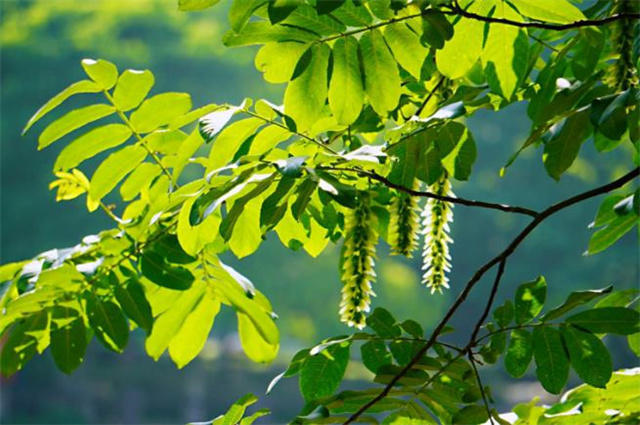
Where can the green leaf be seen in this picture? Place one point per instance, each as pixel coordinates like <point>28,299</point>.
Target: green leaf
<point>403,351</point>
<point>352,14</point>
<point>26,336</point>
<point>306,94</point>
<point>139,179</point>
<point>278,10</point>
<point>233,287</point>
<point>247,236</point>
<point>436,29</point>
<point>272,208</point>
<point>131,298</point>
<point>90,144</point>
<point>346,93</point>
<point>457,149</point>
<point>606,213</point>
<point>84,86</point>
<point>321,374</point>
<point>268,138</point>
<point>529,300</point>
<point>253,344</point>
<point>304,192</point>
<point>552,364</point>
<point>505,53</point>
<point>607,236</point>
<point>406,48</point>
<point>113,169</point>
<point>240,205</point>
<point>614,320</point>
<point>263,32</point>
<point>413,328</point>
<point>235,413</point>
<point>104,73</point>
<point>556,11</point>
<point>68,339</point>
<point>589,356</point>
<point>72,121</point>
<point>155,269</point>
<point>108,323</point>
<point>375,354</point>
<point>472,414</point>
<point>305,16</point>
<point>408,154</point>
<point>504,314</point>
<point>587,52</point>
<point>381,77</point>
<point>169,249</point>
<point>623,298</point>
<point>564,141</point>
<point>241,11</point>
<point>277,61</point>
<point>462,51</point>
<point>169,323</point>
<point>229,141</point>
<point>190,5</point>
<point>131,89</point>
<point>189,341</point>
<point>159,110</point>
<point>383,323</point>
<point>519,353</point>
<point>576,299</point>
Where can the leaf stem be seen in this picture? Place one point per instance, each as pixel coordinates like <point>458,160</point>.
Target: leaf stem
<point>155,157</point>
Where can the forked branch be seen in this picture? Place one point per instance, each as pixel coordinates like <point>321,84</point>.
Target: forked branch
<point>499,259</point>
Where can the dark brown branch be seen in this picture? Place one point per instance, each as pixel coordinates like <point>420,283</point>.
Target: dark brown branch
<point>457,10</point>
<point>486,267</point>
<point>492,296</point>
<point>479,381</point>
<point>423,194</point>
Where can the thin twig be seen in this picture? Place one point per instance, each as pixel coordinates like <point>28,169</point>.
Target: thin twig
<point>155,157</point>
<point>486,267</point>
<point>482,392</point>
<point>428,98</point>
<point>492,296</point>
<point>276,123</point>
<point>423,194</point>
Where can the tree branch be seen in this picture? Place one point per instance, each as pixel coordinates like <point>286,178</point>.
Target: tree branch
<point>486,267</point>
<point>458,11</point>
<point>492,296</point>
<point>423,194</point>
<point>479,380</point>
<point>454,9</point>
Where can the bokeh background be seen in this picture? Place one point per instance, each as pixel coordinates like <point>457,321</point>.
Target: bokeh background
<point>42,43</point>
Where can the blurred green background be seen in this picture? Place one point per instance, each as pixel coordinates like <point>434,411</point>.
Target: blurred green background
<point>42,43</point>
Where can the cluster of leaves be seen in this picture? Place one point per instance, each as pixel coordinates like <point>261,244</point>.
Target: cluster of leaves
<point>442,384</point>
<point>376,95</point>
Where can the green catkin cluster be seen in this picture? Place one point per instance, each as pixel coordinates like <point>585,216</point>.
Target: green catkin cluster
<point>623,73</point>
<point>435,228</point>
<point>403,225</point>
<point>358,263</point>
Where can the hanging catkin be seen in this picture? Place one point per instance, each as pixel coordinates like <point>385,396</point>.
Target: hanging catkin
<point>403,224</point>
<point>358,263</point>
<point>436,217</point>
